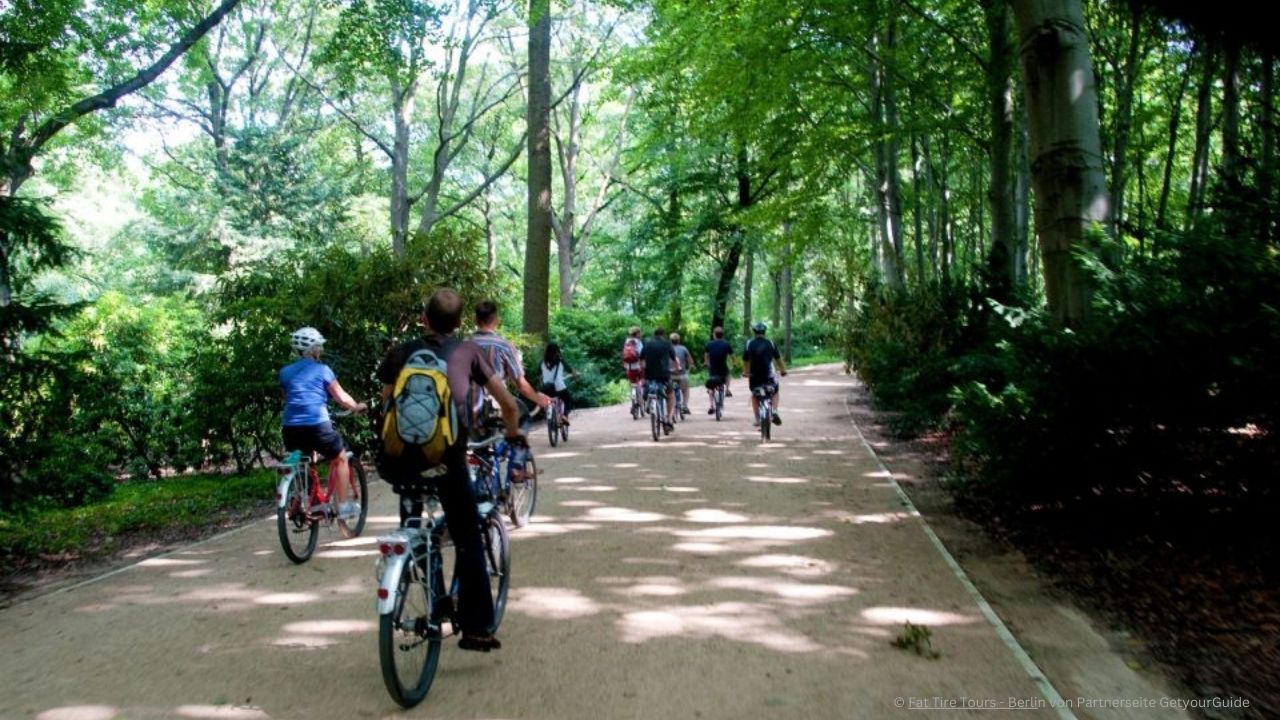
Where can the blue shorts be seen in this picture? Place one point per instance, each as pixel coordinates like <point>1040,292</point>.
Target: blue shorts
<point>320,438</point>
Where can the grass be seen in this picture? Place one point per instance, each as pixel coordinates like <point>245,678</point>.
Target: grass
<point>160,507</point>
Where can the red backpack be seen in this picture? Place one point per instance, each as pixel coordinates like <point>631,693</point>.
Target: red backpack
<point>629,354</point>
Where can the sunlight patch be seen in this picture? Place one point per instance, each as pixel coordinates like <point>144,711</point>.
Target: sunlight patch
<point>777,480</point>
<point>785,533</point>
<point>222,712</point>
<point>286,598</point>
<point>742,622</point>
<point>330,627</point>
<point>550,603</point>
<point>712,515</point>
<point>915,616</point>
<point>169,562</point>
<point>79,712</point>
<point>797,565</point>
<point>617,514</point>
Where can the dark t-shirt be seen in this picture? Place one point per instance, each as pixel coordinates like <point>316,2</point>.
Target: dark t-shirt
<point>759,355</point>
<point>467,364</point>
<point>718,352</point>
<point>657,357</point>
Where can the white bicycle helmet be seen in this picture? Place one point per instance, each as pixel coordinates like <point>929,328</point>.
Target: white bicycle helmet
<point>305,338</point>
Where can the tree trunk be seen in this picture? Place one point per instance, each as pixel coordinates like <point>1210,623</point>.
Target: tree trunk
<point>1266,180</point>
<point>1171,148</point>
<point>1128,82</point>
<point>1070,186</point>
<point>537,259</point>
<point>402,99</point>
<point>1204,124</point>
<point>1022,203</point>
<point>917,211</point>
<point>724,285</point>
<point>885,117</point>
<point>775,313</point>
<point>944,210</point>
<point>1231,161</point>
<point>568,219</point>
<point>788,293</point>
<point>748,276</point>
<point>1000,65</point>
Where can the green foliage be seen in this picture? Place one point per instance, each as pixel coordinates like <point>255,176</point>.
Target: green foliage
<point>181,504</point>
<point>910,348</point>
<point>592,345</point>
<point>917,639</point>
<point>1169,389</point>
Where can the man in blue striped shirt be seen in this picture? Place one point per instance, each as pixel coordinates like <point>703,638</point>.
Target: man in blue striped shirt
<point>505,358</point>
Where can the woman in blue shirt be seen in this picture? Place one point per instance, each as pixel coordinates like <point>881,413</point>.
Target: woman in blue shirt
<point>307,384</point>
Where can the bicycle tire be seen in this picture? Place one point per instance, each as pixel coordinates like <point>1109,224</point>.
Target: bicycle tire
<point>498,562</point>
<point>553,419</point>
<point>719,404</point>
<point>404,639</point>
<point>564,432</point>
<point>298,533</point>
<point>523,496</point>
<point>654,422</point>
<point>359,486</point>
<point>766,422</point>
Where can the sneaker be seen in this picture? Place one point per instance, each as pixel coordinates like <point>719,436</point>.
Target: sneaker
<point>564,420</point>
<point>668,426</point>
<point>685,410</point>
<point>728,394</point>
<point>777,420</point>
<point>349,509</point>
<point>711,411</point>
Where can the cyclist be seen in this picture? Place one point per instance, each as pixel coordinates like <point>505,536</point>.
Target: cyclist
<point>716,357</point>
<point>503,357</point>
<point>306,386</point>
<point>680,373</point>
<point>656,360</point>
<point>467,364</point>
<point>554,370</point>
<point>631,349</point>
<point>758,360</point>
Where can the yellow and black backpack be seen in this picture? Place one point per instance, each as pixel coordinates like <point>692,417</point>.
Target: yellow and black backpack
<point>419,418</point>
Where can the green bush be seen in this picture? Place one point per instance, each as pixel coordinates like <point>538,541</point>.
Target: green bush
<point>1169,389</point>
<point>592,345</point>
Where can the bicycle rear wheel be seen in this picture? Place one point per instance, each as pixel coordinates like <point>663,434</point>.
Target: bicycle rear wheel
<point>655,423</point>
<point>298,533</point>
<point>766,420</point>
<point>719,403</point>
<point>358,492</point>
<point>408,647</point>
<point>524,496</point>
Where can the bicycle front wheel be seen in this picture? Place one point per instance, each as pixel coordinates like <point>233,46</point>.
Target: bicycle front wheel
<point>408,647</point>
<point>497,557</point>
<point>553,419</point>
<point>358,492</point>
<point>298,533</point>
<point>524,496</point>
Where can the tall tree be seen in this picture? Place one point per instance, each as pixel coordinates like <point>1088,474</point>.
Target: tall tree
<point>537,259</point>
<point>1066,149</point>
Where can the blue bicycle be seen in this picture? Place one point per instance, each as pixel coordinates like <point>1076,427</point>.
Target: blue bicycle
<point>505,473</point>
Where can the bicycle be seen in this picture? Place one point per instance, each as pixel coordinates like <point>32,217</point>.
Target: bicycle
<point>681,400</point>
<point>637,401</point>
<point>413,604</point>
<point>557,428</point>
<point>516,490</point>
<point>717,399</point>
<point>764,397</point>
<point>657,409</point>
<point>301,504</point>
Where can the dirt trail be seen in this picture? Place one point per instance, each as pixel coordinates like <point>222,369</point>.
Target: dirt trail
<point>705,576</point>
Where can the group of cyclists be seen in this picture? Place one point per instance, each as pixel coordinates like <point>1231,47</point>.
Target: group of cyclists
<point>479,370</point>
<point>667,363</point>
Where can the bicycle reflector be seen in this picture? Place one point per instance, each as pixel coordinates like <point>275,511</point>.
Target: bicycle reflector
<point>385,548</point>
<point>383,594</point>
